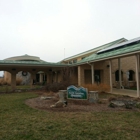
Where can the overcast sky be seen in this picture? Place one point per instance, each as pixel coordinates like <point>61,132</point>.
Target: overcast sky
<point>45,27</point>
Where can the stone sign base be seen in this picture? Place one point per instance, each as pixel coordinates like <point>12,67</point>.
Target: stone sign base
<point>93,96</point>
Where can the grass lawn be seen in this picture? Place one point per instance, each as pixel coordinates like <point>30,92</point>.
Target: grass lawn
<point>7,88</point>
<point>20,122</point>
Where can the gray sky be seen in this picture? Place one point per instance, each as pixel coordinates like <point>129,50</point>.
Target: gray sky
<point>45,27</point>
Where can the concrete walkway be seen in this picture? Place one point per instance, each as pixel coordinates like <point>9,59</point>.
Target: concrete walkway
<point>131,93</point>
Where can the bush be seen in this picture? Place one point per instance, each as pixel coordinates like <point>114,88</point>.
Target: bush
<point>112,105</point>
<point>55,87</point>
<point>8,81</point>
<point>95,87</point>
<point>2,82</point>
<point>18,81</point>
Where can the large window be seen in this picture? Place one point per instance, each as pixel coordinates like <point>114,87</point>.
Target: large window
<point>130,75</point>
<point>117,75</point>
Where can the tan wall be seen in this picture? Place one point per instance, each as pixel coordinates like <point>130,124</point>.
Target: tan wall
<point>104,70</point>
<point>127,63</point>
<point>86,72</point>
<point>74,76</point>
<point>87,76</point>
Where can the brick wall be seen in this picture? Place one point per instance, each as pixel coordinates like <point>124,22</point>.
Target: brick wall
<point>127,63</point>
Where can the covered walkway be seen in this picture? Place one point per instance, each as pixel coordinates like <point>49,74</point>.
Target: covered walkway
<point>131,93</point>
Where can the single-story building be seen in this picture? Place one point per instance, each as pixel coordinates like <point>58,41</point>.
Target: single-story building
<point>116,64</point>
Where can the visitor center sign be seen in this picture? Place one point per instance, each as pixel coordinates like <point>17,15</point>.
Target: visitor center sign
<point>77,93</point>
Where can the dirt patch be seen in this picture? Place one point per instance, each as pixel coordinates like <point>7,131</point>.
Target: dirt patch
<point>74,105</point>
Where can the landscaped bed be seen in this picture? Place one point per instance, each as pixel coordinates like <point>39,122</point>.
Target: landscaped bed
<point>103,104</point>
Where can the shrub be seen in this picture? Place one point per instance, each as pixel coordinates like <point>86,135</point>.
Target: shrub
<point>2,82</point>
<point>8,81</point>
<point>91,87</point>
<point>95,87</point>
<point>112,105</point>
<point>104,88</point>
<point>138,105</point>
<point>18,81</point>
<point>55,87</point>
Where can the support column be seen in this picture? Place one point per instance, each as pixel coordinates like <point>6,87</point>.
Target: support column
<point>92,73</point>
<point>56,77</point>
<point>110,73</point>
<point>139,69</point>
<point>119,67</point>
<point>31,81</point>
<point>137,74</point>
<point>13,81</point>
<point>52,77</point>
<point>80,75</point>
<point>47,77</point>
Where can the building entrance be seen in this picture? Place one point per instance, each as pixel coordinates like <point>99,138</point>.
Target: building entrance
<point>97,76</point>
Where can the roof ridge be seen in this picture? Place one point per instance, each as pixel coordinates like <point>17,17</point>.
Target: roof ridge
<point>94,49</point>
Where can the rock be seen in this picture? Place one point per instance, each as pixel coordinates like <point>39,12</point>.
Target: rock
<point>129,104</point>
<point>52,106</point>
<point>59,104</point>
<point>62,99</point>
<point>45,98</point>
<point>117,103</point>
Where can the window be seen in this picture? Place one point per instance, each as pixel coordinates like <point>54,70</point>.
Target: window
<point>75,60</point>
<point>117,75</point>
<point>70,62</point>
<point>130,75</point>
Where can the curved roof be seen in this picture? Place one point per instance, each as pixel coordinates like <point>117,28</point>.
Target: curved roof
<point>25,58</point>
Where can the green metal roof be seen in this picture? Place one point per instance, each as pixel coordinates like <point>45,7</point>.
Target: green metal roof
<point>114,53</point>
<point>96,49</point>
<point>125,50</point>
<point>30,63</point>
<point>25,58</point>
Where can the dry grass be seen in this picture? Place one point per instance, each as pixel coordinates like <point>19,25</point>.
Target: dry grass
<point>18,81</point>
<point>20,122</point>
<point>8,81</point>
<point>2,82</point>
<point>95,87</point>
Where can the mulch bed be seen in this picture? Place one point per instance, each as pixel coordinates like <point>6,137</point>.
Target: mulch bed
<point>73,105</point>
